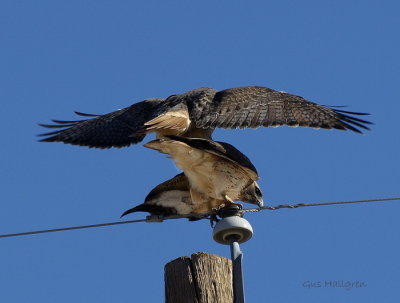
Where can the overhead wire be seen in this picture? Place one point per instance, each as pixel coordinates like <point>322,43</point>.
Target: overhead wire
<point>317,204</point>
<point>155,218</point>
<point>151,218</point>
<point>69,228</point>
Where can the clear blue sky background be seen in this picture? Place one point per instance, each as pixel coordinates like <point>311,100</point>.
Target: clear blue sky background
<point>98,56</point>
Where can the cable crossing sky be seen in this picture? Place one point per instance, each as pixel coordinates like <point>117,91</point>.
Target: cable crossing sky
<point>152,219</point>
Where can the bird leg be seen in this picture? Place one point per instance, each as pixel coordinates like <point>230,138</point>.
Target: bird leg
<point>230,203</point>
<point>228,208</point>
<point>226,204</point>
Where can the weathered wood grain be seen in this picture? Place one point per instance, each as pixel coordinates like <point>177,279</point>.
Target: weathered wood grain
<point>203,278</point>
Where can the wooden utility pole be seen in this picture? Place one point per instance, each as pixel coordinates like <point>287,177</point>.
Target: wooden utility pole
<point>203,278</point>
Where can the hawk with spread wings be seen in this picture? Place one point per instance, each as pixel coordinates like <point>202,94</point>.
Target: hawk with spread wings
<point>197,113</point>
<point>215,175</point>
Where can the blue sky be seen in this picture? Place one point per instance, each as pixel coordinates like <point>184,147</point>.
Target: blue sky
<point>98,56</point>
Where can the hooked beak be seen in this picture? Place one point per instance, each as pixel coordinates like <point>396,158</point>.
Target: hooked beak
<point>260,203</point>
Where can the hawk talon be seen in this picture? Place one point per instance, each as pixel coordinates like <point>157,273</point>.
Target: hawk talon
<point>230,204</point>
<point>230,209</point>
<point>238,205</point>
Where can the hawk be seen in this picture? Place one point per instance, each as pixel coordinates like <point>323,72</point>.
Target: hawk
<point>197,113</point>
<point>217,172</point>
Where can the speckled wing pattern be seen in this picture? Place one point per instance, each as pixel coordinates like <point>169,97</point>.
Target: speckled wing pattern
<point>255,106</point>
<point>197,113</point>
<point>117,129</point>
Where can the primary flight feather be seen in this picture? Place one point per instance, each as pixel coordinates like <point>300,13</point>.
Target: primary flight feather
<point>197,113</point>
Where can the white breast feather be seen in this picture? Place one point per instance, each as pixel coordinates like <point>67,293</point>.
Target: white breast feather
<point>178,199</point>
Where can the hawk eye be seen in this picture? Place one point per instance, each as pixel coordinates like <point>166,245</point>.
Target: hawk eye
<point>258,192</point>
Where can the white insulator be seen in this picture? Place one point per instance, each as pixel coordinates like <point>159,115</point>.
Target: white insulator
<point>233,227</point>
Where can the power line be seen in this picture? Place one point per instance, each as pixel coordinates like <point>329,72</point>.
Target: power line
<point>155,218</point>
<point>317,204</point>
<point>68,228</point>
<point>152,218</point>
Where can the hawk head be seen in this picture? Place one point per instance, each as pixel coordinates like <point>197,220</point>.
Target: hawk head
<point>252,194</point>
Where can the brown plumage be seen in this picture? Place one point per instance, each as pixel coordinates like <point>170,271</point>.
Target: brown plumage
<point>217,172</point>
<point>173,197</point>
<point>197,113</point>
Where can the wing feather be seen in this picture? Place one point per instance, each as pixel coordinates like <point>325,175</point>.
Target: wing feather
<point>117,129</point>
<point>255,106</point>
<point>197,113</point>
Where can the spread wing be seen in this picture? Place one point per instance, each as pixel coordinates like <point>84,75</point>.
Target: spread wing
<point>197,113</point>
<point>117,129</point>
<point>255,106</point>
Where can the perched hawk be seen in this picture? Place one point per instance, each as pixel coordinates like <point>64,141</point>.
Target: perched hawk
<point>217,172</point>
<point>197,113</point>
